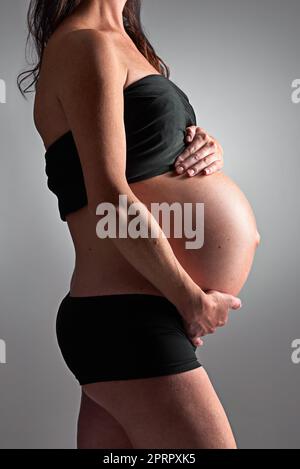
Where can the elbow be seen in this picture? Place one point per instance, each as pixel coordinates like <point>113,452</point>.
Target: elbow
<point>113,200</point>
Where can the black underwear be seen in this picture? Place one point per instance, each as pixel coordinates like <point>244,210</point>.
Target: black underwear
<point>123,336</point>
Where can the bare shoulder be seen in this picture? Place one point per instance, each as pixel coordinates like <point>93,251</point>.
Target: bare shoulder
<point>85,40</point>
<point>87,53</point>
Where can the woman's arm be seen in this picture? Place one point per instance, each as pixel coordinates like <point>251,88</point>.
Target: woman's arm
<point>90,89</point>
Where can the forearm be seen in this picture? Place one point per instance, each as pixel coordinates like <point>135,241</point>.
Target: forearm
<point>152,256</point>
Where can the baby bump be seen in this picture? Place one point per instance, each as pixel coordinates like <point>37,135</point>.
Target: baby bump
<point>222,227</point>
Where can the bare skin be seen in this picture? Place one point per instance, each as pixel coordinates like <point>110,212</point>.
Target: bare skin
<point>174,411</point>
<point>183,416</point>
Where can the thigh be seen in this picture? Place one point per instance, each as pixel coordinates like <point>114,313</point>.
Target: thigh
<point>181,410</point>
<point>97,428</point>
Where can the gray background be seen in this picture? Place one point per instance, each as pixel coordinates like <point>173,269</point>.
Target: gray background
<point>236,59</point>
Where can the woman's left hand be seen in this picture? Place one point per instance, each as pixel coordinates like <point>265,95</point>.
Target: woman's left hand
<point>203,154</point>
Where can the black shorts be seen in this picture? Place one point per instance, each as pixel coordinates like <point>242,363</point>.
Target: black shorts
<point>122,336</point>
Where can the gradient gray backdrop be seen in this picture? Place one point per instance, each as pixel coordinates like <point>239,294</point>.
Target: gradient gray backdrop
<point>236,59</point>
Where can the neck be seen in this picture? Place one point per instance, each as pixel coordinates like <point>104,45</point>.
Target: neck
<point>102,14</point>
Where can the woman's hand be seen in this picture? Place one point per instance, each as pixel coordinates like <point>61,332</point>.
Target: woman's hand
<point>203,154</point>
<point>207,311</point>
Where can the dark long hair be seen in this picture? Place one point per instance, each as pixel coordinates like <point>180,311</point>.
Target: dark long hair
<point>44,16</point>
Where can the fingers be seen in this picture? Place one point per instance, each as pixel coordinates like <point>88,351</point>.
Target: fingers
<point>214,313</point>
<point>194,333</point>
<point>198,163</point>
<point>222,322</point>
<point>197,341</point>
<point>213,167</point>
<point>190,133</point>
<point>199,139</point>
<point>202,153</point>
<point>234,302</point>
<point>223,302</point>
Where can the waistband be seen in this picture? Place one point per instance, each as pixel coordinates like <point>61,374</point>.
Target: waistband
<point>118,296</point>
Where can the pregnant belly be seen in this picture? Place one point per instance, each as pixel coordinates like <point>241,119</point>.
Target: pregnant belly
<point>224,260</point>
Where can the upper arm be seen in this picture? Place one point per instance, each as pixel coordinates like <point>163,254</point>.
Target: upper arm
<point>90,90</point>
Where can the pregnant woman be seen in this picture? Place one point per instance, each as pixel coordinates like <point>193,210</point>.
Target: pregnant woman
<point>113,124</point>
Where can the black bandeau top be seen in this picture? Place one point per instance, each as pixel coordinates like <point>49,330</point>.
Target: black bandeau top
<point>156,114</point>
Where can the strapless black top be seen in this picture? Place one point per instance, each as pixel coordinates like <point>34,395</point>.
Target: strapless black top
<point>156,114</point>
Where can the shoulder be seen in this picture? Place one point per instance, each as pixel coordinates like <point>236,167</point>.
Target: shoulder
<point>83,38</point>
<point>85,52</point>
<point>86,40</point>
